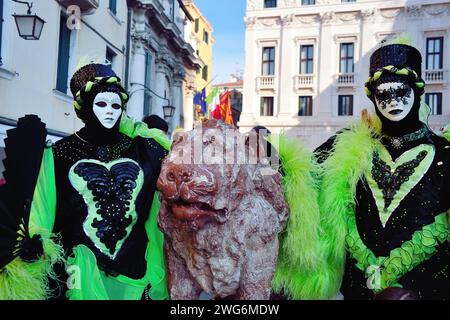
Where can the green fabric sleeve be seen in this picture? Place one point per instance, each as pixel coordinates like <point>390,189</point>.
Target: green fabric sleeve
<point>30,281</point>
<point>133,129</point>
<point>156,267</point>
<point>43,208</point>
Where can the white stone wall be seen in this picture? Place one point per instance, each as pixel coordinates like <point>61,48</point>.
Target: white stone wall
<point>29,71</point>
<point>325,25</point>
<point>172,68</point>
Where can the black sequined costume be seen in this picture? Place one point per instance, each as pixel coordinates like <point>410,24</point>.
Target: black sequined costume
<point>429,198</point>
<point>72,210</point>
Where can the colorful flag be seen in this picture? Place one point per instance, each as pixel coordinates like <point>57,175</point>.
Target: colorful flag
<point>216,113</point>
<point>212,95</point>
<point>198,99</point>
<point>225,106</point>
<point>203,103</point>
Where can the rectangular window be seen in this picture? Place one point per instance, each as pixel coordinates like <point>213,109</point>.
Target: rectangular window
<point>435,53</point>
<point>270,3</point>
<point>434,101</point>
<point>308,2</point>
<point>307,59</point>
<point>148,80</point>
<point>268,61</point>
<point>205,73</point>
<point>110,57</point>
<point>63,56</point>
<point>113,6</point>
<point>267,106</point>
<point>345,105</point>
<point>205,36</point>
<point>1,31</point>
<point>305,106</point>
<point>347,58</point>
<point>196,25</point>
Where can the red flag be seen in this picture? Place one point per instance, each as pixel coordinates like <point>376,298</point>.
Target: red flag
<point>225,106</point>
<point>216,113</point>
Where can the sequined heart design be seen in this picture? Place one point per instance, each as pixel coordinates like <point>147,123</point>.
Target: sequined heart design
<point>391,181</point>
<point>110,191</point>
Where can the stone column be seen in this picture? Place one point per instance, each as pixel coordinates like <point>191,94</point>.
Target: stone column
<point>286,66</point>
<point>250,103</point>
<point>177,95</point>
<point>135,106</point>
<point>188,105</point>
<point>160,84</point>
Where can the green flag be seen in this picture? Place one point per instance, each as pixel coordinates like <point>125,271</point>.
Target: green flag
<point>212,95</point>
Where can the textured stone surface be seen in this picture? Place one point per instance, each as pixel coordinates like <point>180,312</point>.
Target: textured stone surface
<point>221,221</point>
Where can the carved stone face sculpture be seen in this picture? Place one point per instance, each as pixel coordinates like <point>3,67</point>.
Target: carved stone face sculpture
<point>107,108</point>
<point>394,100</point>
<point>221,218</point>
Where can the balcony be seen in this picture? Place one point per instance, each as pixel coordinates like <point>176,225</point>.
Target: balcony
<point>86,6</point>
<point>304,81</point>
<point>434,76</point>
<point>346,80</point>
<point>266,83</point>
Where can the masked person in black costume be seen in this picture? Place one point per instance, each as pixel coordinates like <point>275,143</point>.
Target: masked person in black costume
<point>384,189</point>
<point>97,191</point>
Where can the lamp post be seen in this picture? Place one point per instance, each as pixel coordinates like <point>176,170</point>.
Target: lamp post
<point>29,26</point>
<point>169,112</point>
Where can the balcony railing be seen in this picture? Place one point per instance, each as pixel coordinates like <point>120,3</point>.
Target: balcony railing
<point>434,76</point>
<point>266,82</point>
<point>86,6</point>
<point>346,80</point>
<point>304,81</point>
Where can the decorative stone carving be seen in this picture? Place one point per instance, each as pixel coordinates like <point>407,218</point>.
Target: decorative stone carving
<point>414,11</point>
<point>164,59</point>
<point>391,13</point>
<point>368,13</point>
<point>250,22</point>
<point>221,222</point>
<point>287,20</point>
<point>348,16</point>
<point>437,9</point>
<point>191,83</point>
<point>308,19</point>
<point>269,22</point>
<point>179,74</point>
<point>328,17</point>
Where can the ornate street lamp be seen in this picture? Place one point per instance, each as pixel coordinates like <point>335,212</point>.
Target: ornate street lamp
<point>29,26</point>
<point>169,112</point>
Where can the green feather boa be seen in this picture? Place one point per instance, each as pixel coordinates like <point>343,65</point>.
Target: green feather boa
<point>301,272</point>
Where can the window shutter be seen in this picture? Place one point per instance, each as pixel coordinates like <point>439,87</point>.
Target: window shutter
<point>63,56</point>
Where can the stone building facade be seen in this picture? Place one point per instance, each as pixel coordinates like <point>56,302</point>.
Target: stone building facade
<point>307,61</point>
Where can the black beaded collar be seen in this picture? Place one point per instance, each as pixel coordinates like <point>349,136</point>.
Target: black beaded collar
<point>399,141</point>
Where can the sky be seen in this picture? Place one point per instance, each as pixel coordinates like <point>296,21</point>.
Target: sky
<point>227,19</point>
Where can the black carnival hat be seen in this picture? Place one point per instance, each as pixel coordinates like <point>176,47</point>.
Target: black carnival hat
<point>91,79</point>
<point>396,60</point>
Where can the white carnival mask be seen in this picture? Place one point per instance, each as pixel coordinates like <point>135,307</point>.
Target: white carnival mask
<point>394,100</point>
<point>107,107</point>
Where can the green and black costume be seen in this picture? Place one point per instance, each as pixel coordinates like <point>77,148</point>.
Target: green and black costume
<point>95,209</point>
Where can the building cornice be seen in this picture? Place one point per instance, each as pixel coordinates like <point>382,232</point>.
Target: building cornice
<point>155,17</point>
<point>350,13</point>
